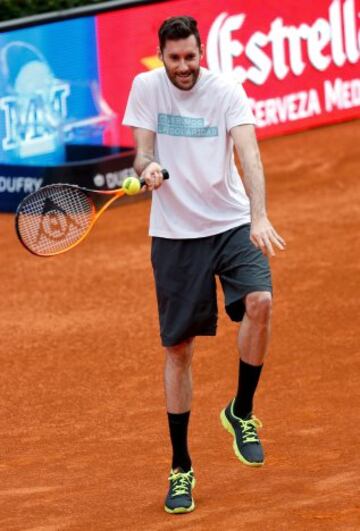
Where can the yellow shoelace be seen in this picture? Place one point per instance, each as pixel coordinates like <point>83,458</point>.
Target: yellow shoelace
<point>182,482</point>
<point>249,428</point>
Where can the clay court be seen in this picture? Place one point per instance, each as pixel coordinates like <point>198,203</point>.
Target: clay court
<point>84,442</point>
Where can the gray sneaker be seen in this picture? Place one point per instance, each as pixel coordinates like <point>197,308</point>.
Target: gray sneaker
<point>247,445</point>
<point>179,498</point>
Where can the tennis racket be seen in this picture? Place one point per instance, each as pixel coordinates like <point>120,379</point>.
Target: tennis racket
<point>57,217</point>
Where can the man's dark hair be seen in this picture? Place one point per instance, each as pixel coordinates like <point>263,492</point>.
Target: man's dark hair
<point>176,28</point>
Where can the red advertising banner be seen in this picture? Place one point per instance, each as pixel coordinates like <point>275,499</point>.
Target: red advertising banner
<point>298,62</point>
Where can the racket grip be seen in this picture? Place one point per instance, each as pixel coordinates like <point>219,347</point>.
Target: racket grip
<point>165,174</point>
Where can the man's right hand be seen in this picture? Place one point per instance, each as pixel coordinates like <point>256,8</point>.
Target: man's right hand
<point>152,176</point>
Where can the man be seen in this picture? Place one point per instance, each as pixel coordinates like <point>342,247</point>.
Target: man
<point>204,222</point>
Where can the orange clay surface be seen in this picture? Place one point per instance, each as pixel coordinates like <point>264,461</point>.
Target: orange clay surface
<point>84,440</point>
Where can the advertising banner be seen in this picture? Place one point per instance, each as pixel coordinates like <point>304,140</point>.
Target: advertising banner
<point>100,173</point>
<point>47,73</point>
<point>298,61</point>
<point>64,84</point>
<point>52,115</point>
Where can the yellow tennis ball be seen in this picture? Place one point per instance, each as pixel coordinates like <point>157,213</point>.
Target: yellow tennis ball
<point>131,185</point>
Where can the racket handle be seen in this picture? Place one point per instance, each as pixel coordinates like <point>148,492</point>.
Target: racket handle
<point>165,174</point>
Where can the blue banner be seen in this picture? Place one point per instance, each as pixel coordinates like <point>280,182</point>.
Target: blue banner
<point>49,92</point>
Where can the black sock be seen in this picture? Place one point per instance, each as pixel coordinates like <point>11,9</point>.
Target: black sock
<point>178,427</point>
<point>248,380</point>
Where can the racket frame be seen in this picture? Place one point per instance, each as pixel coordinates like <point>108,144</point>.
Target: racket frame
<point>97,213</point>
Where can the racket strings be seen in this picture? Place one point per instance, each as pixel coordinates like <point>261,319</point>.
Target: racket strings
<point>54,219</point>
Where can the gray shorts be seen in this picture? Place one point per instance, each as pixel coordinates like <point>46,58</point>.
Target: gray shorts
<point>185,271</point>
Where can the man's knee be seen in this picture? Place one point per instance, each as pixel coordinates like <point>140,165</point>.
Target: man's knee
<point>258,306</point>
<point>181,354</point>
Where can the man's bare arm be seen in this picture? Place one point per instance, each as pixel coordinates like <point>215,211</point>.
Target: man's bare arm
<point>145,164</point>
<point>263,234</point>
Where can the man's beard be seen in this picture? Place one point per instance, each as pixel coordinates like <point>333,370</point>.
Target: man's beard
<point>194,76</point>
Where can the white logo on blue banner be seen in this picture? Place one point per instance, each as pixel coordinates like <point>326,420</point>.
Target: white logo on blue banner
<point>34,107</point>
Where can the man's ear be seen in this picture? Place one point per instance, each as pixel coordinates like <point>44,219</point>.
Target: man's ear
<point>201,51</point>
<point>159,54</point>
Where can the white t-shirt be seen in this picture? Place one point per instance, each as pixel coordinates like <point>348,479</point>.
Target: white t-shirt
<point>204,195</point>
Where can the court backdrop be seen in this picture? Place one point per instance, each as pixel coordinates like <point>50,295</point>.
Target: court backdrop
<point>65,79</point>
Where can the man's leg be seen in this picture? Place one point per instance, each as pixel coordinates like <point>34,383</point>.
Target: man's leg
<point>178,376</point>
<point>178,394</point>
<point>186,294</point>
<point>253,343</point>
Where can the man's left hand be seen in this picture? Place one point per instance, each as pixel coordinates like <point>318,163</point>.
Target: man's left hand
<point>264,236</point>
